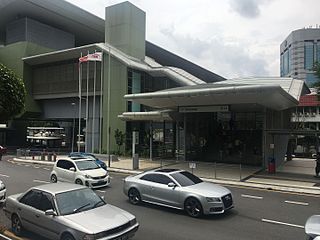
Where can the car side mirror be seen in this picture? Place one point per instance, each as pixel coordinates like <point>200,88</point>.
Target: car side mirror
<point>50,212</point>
<point>73,169</point>
<point>171,185</point>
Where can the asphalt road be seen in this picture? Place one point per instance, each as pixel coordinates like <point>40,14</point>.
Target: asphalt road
<point>258,214</point>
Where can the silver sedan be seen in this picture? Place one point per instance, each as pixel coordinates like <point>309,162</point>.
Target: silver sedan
<point>67,211</point>
<point>178,189</point>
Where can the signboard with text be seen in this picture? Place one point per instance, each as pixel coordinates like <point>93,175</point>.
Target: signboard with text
<point>221,108</point>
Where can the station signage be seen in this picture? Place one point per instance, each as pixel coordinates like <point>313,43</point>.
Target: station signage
<point>220,108</point>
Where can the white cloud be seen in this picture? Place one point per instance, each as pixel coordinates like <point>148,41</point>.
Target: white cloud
<point>247,8</point>
<point>232,38</point>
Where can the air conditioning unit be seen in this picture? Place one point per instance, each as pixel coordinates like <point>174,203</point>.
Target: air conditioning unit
<point>293,114</point>
<point>313,114</point>
<point>300,114</point>
<point>307,114</point>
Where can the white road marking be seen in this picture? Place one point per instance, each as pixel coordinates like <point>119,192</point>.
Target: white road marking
<point>36,167</point>
<point>251,196</point>
<point>281,223</point>
<point>101,191</point>
<point>47,169</point>
<point>4,237</point>
<point>40,181</point>
<point>3,175</point>
<point>297,203</point>
<point>27,165</point>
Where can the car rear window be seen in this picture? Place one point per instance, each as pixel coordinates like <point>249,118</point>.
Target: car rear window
<point>185,178</point>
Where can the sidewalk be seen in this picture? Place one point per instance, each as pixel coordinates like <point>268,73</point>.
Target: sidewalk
<point>294,176</point>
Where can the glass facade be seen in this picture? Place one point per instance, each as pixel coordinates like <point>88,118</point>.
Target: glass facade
<point>163,133</point>
<point>224,137</point>
<point>308,55</point>
<point>285,62</point>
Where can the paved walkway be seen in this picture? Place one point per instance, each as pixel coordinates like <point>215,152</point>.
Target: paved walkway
<point>293,176</point>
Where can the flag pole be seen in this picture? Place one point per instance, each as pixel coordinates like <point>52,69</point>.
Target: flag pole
<point>79,129</point>
<point>101,99</point>
<point>87,106</point>
<point>108,125</point>
<point>94,105</point>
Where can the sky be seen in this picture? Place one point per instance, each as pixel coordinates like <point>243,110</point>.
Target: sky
<point>232,38</point>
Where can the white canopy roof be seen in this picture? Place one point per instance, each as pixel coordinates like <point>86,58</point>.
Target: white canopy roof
<point>274,93</point>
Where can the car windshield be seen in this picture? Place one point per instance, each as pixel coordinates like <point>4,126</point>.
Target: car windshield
<point>78,200</point>
<point>86,165</point>
<point>185,178</point>
<point>90,157</point>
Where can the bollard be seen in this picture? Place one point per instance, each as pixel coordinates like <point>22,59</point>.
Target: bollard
<point>54,156</point>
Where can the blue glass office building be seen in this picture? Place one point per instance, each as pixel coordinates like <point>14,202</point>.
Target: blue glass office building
<point>298,52</point>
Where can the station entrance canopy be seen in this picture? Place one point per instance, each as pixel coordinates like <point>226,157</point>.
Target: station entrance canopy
<point>273,93</point>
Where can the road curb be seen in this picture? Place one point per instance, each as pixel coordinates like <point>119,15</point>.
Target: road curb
<point>274,187</point>
<point>7,235</point>
<point>271,187</point>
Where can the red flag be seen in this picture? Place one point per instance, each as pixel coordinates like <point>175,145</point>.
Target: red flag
<point>83,59</point>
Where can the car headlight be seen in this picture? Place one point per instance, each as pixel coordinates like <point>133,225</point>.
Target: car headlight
<point>213,199</point>
<point>87,176</point>
<point>89,237</point>
<point>2,186</point>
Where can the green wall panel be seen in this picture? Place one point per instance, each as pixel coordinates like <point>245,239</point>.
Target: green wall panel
<point>118,88</point>
<point>11,56</point>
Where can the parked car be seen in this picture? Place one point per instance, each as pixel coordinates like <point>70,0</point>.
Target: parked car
<point>312,227</point>
<point>83,171</point>
<point>178,189</point>
<point>88,155</point>
<point>65,211</point>
<point>3,192</point>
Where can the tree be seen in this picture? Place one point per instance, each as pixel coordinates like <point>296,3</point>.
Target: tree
<point>12,94</point>
<point>316,69</point>
<point>120,137</point>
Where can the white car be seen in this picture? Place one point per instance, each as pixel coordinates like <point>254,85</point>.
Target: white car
<point>3,192</point>
<point>312,227</point>
<point>81,171</point>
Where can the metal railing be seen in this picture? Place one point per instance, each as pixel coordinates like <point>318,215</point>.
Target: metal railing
<point>37,155</point>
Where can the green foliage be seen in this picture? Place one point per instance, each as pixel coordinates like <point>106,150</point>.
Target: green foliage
<point>316,69</point>
<point>12,92</point>
<point>119,137</point>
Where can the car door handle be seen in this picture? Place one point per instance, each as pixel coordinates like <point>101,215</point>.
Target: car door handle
<point>37,216</point>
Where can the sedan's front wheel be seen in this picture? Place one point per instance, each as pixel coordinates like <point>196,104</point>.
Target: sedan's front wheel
<point>193,207</point>
<point>78,181</point>
<point>53,178</point>
<point>134,196</point>
<point>16,225</point>
<point>67,236</point>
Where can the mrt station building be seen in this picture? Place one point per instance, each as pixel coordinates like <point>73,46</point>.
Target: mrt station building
<point>180,109</point>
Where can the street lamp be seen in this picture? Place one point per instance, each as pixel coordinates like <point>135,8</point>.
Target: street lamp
<point>73,125</point>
